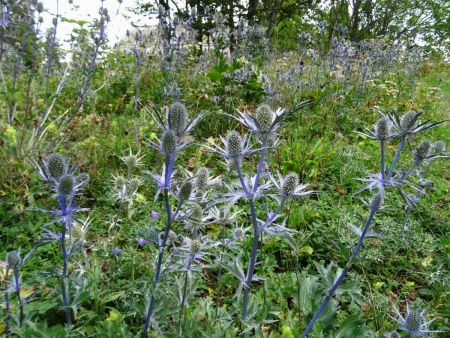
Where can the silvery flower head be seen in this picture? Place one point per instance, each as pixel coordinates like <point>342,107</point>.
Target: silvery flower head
<point>132,160</point>
<point>289,186</point>
<point>202,178</point>
<point>177,118</point>
<point>414,322</point>
<point>235,146</point>
<point>422,151</point>
<point>266,122</point>
<point>409,124</point>
<point>60,175</point>
<point>13,260</point>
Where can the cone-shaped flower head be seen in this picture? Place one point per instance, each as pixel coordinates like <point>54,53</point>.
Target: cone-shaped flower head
<point>169,142</point>
<point>383,129</point>
<point>264,117</point>
<point>289,184</point>
<point>197,213</point>
<point>413,321</point>
<point>408,120</point>
<point>393,334</point>
<point>66,185</point>
<point>195,246</point>
<point>202,178</point>
<point>234,144</point>
<point>177,118</point>
<point>13,260</point>
<point>185,190</point>
<point>56,165</point>
<point>422,151</point>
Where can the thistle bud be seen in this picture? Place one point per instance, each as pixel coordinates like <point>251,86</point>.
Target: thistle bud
<point>264,117</point>
<point>169,142</point>
<point>289,184</point>
<point>422,151</point>
<point>56,165</point>
<point>134,183</point>
<point>438,147</point>
<point>202,178</point>
<point>185,190</point>
<point>407,120</point>
<point>234,144</point>
<point>13,260</point>
<point>383,129</point>
<point>195,246</point>
<point>65,185</point>
<point>177,117</point>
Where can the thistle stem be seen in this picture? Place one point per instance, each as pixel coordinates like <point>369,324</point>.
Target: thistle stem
<point>260,165</point>
<point>383,166</point>
<point>65,225</point>
<point>183,299</point>
<point>158,264</point>
<point>341,277</point>
<point>17,282</point>
<point>396,157</point>
<point>7,309</point>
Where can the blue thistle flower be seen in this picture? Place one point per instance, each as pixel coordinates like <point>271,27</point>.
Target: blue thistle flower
<point>414,322</point>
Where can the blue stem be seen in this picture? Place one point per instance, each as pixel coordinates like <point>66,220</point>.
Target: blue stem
<point>168,174</point>
<point>260,164</point>
<point>183,300</point>
<point>65,225</point>
<point>17,282</point>
<point>7,311</point>
<point>396,157</point>
<point>341,277</point>
<point>383,167</point>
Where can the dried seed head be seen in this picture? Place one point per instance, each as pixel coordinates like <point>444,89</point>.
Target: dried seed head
<point>383,128</point>
<point>65,185</point>
<point>185,190</point>
<point>407,120</point>
<point>264,117</point>
<point>195,246</point>
<point>202,178</point>
<point>13,260</point>
<point>439,147</point>
<point>422,151</point>
<point>413,321</point>
<point>56,165</point>
<point>169,142</point>
<point>177,117</point>
<point>289,184</point>
<point>234,144</point>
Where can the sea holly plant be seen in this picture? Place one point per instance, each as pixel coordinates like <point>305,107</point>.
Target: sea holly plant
<point>59,175</point>
<point>263,128</point>
<point>389,127</point>
<point>175,127</point>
